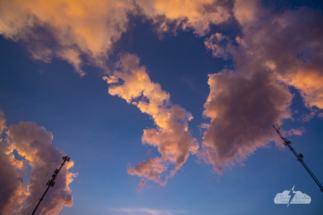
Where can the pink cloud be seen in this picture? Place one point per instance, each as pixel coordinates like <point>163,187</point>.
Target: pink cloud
<point>146,211</point>
<point>13,190</point>
<point>274,52</point>
<point>290,45</point>
<point>33,143</point>
<point>298,131</point>
<point>242,112</point>
<point>149,169</point>
<point>141,185</point>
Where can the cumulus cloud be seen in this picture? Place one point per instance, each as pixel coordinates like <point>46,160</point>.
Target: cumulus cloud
<point>245,11</point>
<point>33,143</point>
<point>290,44</point>
<point>12,188</point>
<point>65,29</point>
<point>78,30</point>
<point>171,136</point>
<point>197,15</point>
<point>274,52</point>
<point>278,50</point>
<point>219,45</point>
<point>71,29</point>
<point>242,112</point>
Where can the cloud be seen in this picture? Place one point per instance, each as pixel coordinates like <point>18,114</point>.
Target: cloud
<point>245,11</point>
<point>145,211</point>
<point>171,136</point>
<point>149,169</point>
<point>274,52</point>
<point>298,131</point>
<point>33,143</point>
<point>289,44</point>
<point>3,125</point>
<point>85,32</point>
<point>204,125</point>
<point>13,190</point>
<point>65,29</point>
<point>274,49</point>
<point>141,185</point>
<point>76,28</point>
<point>196,15</point>
<point>242,112</point>
<point>218,44</point>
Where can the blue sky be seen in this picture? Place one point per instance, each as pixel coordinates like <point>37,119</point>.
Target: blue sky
<point>103,133</point>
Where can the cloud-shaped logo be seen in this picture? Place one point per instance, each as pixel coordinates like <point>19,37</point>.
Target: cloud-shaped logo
<point>292,197</point>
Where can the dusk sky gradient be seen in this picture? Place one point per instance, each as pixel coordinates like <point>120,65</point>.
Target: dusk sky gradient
<point>164,106</point>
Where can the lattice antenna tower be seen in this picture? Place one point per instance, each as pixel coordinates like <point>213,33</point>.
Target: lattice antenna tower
<point>51,182</point>
<point>298,156</point>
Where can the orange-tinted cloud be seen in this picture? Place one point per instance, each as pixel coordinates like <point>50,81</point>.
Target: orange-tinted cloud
<point>65,29</point>
<point>13,190</point>
<point>33,143</point>
<point>245,11</point>
<point>172,138</point>
<point>79,28</point>
<point>3,125</point>
<point>70,29</point>
<point>197,15</point>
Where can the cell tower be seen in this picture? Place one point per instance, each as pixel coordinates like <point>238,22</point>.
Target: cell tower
<point>51,183</point>
<point>298,156</point>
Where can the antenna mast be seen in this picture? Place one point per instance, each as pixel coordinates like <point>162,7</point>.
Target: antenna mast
<point>298,156</point>
<point>51,183</point>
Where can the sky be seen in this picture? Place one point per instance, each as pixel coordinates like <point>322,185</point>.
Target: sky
<point>164,107</point>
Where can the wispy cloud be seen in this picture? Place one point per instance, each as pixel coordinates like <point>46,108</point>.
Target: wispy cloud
<point>145,211</point>
<point>298,131</point>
